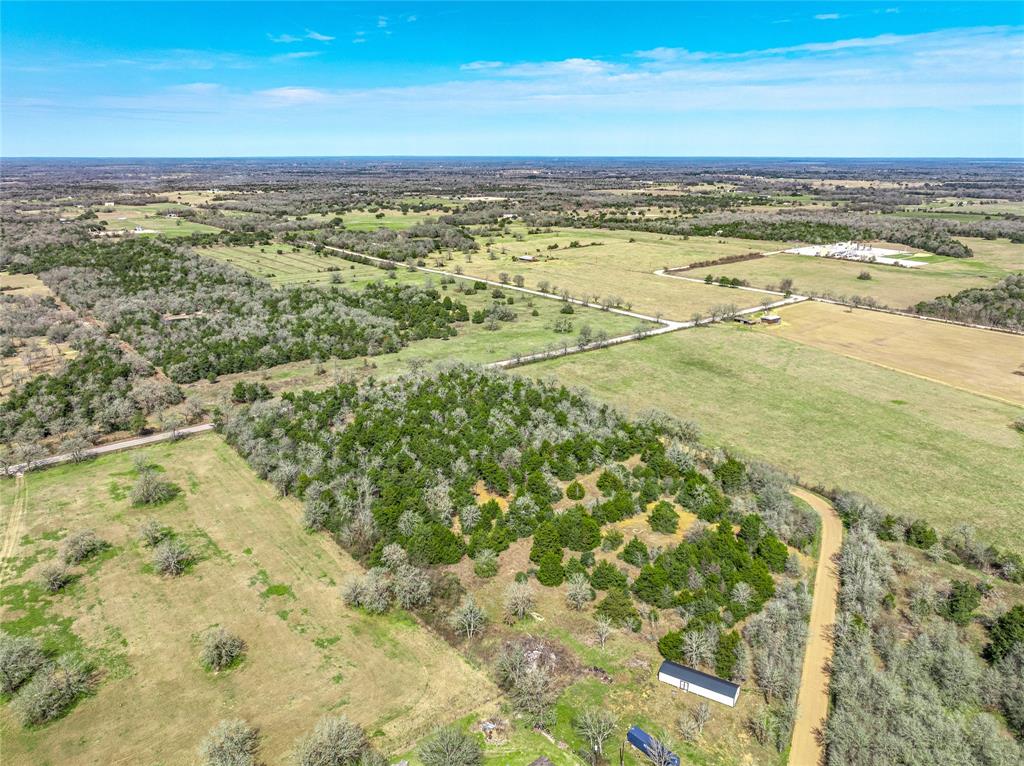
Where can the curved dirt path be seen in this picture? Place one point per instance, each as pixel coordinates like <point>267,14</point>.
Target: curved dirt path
<point>14,521</point>
<point>812,699</point>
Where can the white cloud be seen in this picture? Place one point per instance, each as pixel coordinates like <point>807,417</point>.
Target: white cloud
<point>311,35</point>
<point>290,96</point>
<point>197,87</point>
<point>296,55</point>
<point>827,16</point>
<point>477,65</point>
<point>382,22</point>
<point>283,38</point>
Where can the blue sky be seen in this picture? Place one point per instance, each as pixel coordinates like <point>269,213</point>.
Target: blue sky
<point>889,78</point>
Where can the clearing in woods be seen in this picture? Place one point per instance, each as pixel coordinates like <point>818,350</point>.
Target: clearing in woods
<point>615,263</point>
<point>921,448</point>
<point>980,361</point>
<point>259,574</point>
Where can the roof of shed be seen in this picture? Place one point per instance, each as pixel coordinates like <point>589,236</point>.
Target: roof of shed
<point>704,680</point>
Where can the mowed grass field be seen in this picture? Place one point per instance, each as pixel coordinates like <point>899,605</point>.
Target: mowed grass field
<point>259,574</point>
<point>923,449</point>
<point>889,285</point>
<point>615,266</point>
<point>980,361</point>
<point>151,217</point>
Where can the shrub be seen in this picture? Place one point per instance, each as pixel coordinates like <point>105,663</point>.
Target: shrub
<point>221,649</point>
<point>575,491</point>
<point>579,592</point>
<point>450,746</point>
<point>963,599</point>
<point>1006,632</point>
<point>486,563</point>
<point>612,540</point>
<point>732,474</point>
<point>726,654</point>
<point>618,608</point>
<point>20,657</point>
<point>149,490</point>
<point>664,518</point>
<point>336,741</point>
<point>231,743</point>
<point>171,558</point>
<point>519,601</point>
<point>606,576</point>
<point>54,576</point>
<point>78,546</point>
<point>152,533</point>
<point>551,573</point>
<point>52,691</point>
<point>635,553</point>
<point>468,620</point>
<point>865,275</point>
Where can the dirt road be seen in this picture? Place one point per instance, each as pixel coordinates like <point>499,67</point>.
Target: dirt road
<point>14,522</point>
<point>812,699</point>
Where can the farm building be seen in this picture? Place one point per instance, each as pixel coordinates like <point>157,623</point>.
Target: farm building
<point>771,319</point>
<point>650,747</point>
<point>701,684</point>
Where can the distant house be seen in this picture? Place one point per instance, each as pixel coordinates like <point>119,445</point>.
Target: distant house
<point>650,747</point>
<point>701,684</point>
<point>172,215</point>
<point>138,230</point>
<point>771,319</point>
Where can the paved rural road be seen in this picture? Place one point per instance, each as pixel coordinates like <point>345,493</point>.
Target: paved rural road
<point>140,441</point>
<point>812,699</point>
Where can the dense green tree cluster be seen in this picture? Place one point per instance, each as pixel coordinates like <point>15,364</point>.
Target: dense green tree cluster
<point>999,306</point>
<point>414,450</point>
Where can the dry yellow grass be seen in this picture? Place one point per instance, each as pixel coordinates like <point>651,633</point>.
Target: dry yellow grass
<point>261,576</point>
<point>22,284</point>
<point>979,361</point>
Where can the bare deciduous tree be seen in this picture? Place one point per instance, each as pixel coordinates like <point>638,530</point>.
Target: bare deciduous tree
<point>336,741</point>
<point>595,726</point>
<point>221,649</point>
<point>450,746</point>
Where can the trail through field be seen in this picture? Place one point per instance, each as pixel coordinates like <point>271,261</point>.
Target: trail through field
<point>14,522</point>
<point>812,699</point>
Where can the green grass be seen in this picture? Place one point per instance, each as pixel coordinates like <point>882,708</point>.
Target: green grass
<point>152,217</point>
<point>945,455</point>
<point>889,285</point>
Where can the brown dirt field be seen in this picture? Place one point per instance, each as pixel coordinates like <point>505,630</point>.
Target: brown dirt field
<point>979,361</point>
<point>812,699</point>
<point>261,576</point>
<point>22,284</point>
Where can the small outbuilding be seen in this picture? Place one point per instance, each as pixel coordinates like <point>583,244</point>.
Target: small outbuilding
<point>703,685</point>
<point>771,319</point>
<point>526,258</point>
<point>650,747</point>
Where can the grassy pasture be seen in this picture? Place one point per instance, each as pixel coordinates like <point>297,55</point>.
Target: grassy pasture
<point>474,344</point>
<point>617,266</point>
<point>979,361</point>
<point>259,574</point>
<point>921,448</point>
<point>28,285</point>
<point>152,217</point>
<point>890,285</point>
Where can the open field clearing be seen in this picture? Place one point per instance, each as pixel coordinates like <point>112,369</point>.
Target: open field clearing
<point>475,344</point>
<point>617,267</point>
<point>23,284</point>
<point>889,285</point>
<point>259,574</point>
<point>924,449</point>
<point>152,218</point>
<point>630,690</point>
<point>979,361</point>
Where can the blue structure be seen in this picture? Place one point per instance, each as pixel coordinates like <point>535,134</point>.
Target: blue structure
<point>646,744</point>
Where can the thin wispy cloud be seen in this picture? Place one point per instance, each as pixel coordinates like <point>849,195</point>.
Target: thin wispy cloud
<point>296,55</point>
<point>827,16</point>
<point>311,35</point>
